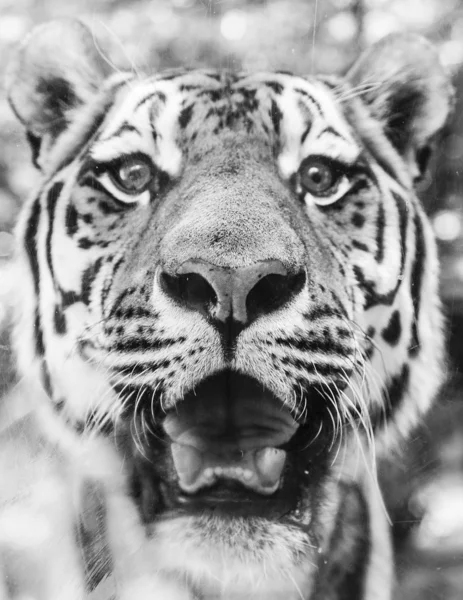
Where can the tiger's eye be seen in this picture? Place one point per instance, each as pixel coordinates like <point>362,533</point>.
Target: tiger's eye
<point>134,175</point>
<point>317,176</point>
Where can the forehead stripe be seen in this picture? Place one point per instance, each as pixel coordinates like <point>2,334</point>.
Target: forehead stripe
<point>149,97</point>
<point>311,99</point>
<point>124,128</point>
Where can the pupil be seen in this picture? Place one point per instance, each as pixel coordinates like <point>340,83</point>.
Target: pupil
<point>134,175</point>
<point>316,175</point>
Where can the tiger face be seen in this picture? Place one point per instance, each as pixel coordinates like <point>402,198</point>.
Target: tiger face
<point>229,280</point>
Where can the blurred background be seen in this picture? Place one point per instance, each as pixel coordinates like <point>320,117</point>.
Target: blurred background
<point>425,485</point>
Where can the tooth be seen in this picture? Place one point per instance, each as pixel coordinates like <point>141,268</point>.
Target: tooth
<point>247,474</point>
<point>218,471</point>
<point>269,464</point>
<point>188,462</point>
<point>208,473</point>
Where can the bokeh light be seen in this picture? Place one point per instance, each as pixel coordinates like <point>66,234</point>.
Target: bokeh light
<point>451,53</point>
<point>342,27</point>
<point>447,225</point>
<point>233,25</point>
<point>379,23</point>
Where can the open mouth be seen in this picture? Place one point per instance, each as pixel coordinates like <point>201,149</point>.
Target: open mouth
<point>229,429</point>
<point>232,447</point>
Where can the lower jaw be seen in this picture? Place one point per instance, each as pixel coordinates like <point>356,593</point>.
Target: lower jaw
<point>223,557</point>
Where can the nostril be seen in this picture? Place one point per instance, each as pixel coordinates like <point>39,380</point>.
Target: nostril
<point>273,291</point>
<point>189,289</point>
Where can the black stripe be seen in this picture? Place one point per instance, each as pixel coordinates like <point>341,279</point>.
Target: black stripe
<point>394,395</point>
<point>416,282</point>
<point>38,334</point>
<point>331,131</point>
<point>185,116</point>
<point>323,369</point>
<point>380,224</point>
<point>391,333</point>
<point>88,278</point>
<point>403,220</point>
<point>360,246</point>
<point>137,344</point>
<point>319,312</point>
<point>276,86</point>
<point>59,321</point>
<point>52,198</point>
<point>147,98</point>
<point>358,220</point>
<point>108,284</point>
<point>30,245</point>
<point>310,98</point>
<point>276,115</point>
<point>306,132</point>
<point>71,220</point>
<point>325,345</point>
<point>124,128</point>
<point>85,243</point>
<point>369,343</point>
<point>46,379</point>
<point>372,297</point>
<point>68,297</point>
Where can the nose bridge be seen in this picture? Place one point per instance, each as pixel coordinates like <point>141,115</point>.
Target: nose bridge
<point>233,222</point>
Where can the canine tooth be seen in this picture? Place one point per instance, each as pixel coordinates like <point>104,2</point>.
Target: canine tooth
<point>208,473</point>
<point>247,474</point>
<point>188,462</point>
<point>269,464</point>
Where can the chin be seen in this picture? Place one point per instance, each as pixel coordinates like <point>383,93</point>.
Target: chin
<point>235,557</point>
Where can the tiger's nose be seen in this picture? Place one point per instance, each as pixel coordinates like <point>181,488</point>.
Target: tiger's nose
<point>241,294</point>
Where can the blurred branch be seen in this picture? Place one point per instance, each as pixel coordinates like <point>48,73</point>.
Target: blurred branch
<point>359,12</point>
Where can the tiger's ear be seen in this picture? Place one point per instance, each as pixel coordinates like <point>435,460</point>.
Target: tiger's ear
<point>57,69</point>
<point>407,89</point>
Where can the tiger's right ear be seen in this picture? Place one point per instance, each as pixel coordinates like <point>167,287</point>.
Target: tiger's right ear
<point>57,69</point>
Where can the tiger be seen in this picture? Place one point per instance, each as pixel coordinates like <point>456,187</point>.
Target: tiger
<point>228,304</point>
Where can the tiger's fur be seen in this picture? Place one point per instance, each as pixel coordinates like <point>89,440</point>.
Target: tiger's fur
<point>115,353</point>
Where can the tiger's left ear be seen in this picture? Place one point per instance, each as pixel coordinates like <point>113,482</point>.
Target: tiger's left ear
<point>406,88</point>
<point>57,69</point>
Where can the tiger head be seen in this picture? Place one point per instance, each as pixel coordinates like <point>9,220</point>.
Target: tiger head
<point>229,275</point>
